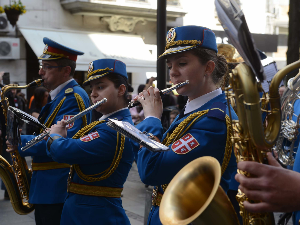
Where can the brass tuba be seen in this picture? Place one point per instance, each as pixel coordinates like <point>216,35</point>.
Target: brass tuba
<point>16,177</point>
<point>289,128</point>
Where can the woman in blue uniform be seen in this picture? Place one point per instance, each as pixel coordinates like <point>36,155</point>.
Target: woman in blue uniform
<point>202,128</point>
<point>100,157</point>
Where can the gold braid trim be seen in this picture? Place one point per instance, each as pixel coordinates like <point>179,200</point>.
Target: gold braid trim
<point>81,108</point>
<point>181,129</point>
<point>116,160</point>
<point>178,50</point>
<point>86,129</point>
<point>56,54</point>
<point>99,70</point>
<point>48,166</point>
<point>228,147</point>
<point>99,191</point>
<point>183,42</point>
<point>54,113</point>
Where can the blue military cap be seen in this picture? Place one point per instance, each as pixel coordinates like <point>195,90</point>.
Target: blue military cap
<point>185,38</point>
<point>102,67</point>
<point>54,50</point>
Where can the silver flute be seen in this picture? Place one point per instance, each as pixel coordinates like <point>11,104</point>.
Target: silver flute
<point>41,136</point>
<point>162,92</point>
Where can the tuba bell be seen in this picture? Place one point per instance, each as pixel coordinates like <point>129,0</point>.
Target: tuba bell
<point>195,196</point>
<point>16,177</point>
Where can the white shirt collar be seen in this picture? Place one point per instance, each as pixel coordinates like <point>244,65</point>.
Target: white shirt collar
<point>54,92</point>
<point>109,114</point>
<point>200,101</point>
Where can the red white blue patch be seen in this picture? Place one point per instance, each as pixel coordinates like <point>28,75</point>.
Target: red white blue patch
<point>185,144</point>
<point>67,117</point>
<point>90,137</point>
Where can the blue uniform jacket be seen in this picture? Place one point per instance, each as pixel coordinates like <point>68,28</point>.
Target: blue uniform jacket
<point>50,186</point>
<point>93,157</point>
<point>296,215</point>
<point>158,168</point>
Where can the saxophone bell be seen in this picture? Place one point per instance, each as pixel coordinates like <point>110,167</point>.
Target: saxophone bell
<point>194,196</point>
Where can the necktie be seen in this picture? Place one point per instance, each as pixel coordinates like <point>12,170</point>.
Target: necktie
<point>181,114</point>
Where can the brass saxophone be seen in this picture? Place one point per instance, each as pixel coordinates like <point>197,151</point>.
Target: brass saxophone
<point>252,139</point>
<point>289,128</point>
<point>16,177</point>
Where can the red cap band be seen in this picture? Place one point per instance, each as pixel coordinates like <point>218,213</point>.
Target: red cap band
<point>65,54</point>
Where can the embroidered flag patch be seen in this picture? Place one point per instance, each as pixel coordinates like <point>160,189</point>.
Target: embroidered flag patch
<point>67,117</point>
<point>185,144</point>
<point>90,137</point>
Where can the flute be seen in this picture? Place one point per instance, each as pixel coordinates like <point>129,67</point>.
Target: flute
<point>162,92</point>
<point>40,137</point>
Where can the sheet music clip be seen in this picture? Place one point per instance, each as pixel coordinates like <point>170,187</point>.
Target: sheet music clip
<point>145,139</point>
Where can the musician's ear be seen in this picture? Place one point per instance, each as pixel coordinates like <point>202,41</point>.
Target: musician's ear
<point>67,70</point>
<point>210,66</point>
<point>122,90</point>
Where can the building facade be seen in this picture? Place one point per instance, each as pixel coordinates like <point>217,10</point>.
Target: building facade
<point>124,29</point>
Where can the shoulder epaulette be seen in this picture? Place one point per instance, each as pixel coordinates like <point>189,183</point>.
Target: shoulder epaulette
<point>217,110</point>
<point>69,91</point>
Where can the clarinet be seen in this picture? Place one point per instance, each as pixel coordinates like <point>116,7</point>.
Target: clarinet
<point>162,92</point>
<point>40,137</point>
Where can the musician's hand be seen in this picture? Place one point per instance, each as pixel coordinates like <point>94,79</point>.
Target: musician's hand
<point>11,148</point>
<point>277,188</point>
<point>46,137</point>
<point>151,102</point>
<point>59,128</point>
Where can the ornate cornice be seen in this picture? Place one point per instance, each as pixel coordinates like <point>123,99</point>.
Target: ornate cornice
<point>123,23</point>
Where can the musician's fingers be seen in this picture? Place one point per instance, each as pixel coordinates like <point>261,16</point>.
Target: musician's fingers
<point>10,150</point>
<point>259,207</point>
<point>135,98</point>
<point>272,161</point>
<point>254,168</point>
<point>63,123</point>
<point>140,94</point>
<point>256,195</point>
<point>148,91</point>
<point>156,92</point>
<point>248,182</point>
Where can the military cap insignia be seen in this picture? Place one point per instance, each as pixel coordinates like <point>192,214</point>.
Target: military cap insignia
<point>185,144</point>
<point>90,137</point>
<point>45,49</point>
<point>69,90</point>
<point>67,117</point>
<point>171,35</point>
<point>91,67</point>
